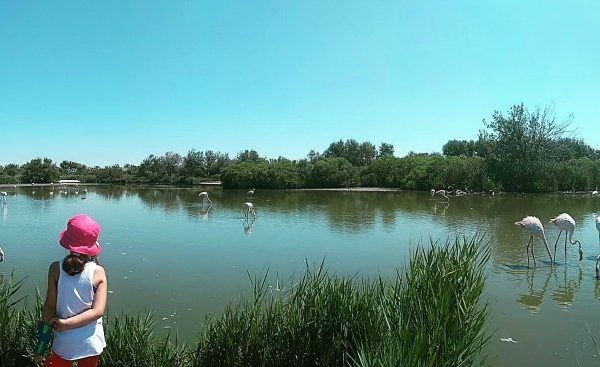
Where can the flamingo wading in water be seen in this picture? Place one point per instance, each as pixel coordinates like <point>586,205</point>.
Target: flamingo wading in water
<point>249,209</point>
<point>566,223</point>
<point>204,195</point>
<point>535,228</point>
<point>442,193</point>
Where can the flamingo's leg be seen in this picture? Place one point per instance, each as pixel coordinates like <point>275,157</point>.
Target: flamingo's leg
<point>528,243</point>
<point>566,233</point>
<point>532,253</point>
<point>555,243</point>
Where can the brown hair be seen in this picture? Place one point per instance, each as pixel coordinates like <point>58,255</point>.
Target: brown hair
<point>73,264</point>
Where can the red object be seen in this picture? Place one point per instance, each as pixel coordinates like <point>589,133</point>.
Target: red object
<point>57,361</point>
<point>81,235</point>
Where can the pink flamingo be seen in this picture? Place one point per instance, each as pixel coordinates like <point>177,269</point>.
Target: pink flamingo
<point>566,223</point>
<point>535,228</point>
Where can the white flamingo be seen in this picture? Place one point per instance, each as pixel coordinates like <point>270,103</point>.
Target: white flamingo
<point>249,209</point>
<point>204,195</point>
<point>1,254</point>
<point>595,192</point>
<point>4,194</point>
<point>566,223</point>
<point>250,192</point>
<point>535,228</point>
<point>442,193</point>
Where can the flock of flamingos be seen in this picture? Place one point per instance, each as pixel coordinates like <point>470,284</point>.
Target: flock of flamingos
<point>530,224</point>
<point>534,227</point>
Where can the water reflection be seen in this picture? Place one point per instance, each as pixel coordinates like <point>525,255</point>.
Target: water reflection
<point>248,226</point>
<point>567,285</point>
<point>564,282</point>
<point>4,212</point>
<point>532,300</point>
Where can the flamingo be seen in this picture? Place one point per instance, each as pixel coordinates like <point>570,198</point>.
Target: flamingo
<point>535,228</point>
<point>4,194</point>
<point>250,192</point>
<point>595,192</point>
<point>1,254</point>
<point>249,209</point>
<point>566,223</point>
<point>204,195</point>
<point>441,193</point>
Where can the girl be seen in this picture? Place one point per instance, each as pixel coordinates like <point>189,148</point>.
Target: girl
<point>75,300</point>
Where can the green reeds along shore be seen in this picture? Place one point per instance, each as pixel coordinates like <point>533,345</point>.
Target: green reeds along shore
<point>430,314</point>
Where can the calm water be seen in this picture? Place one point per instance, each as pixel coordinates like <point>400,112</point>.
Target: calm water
<point>163,250</point>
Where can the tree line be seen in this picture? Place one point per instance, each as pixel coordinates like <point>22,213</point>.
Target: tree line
<point>518,150</point>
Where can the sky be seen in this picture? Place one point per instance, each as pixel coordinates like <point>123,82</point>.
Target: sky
<point>106,82</point>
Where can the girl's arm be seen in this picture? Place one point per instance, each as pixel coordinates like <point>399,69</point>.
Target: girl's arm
<point>94,313</point>
<point>49,309</point>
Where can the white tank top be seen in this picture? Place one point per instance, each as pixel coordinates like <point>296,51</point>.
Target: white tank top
<point>75,295</point>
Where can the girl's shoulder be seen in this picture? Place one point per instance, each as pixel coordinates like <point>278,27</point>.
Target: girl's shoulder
<point>99,274</point>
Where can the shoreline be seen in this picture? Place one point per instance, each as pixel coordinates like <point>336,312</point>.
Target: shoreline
<point>353,189</point>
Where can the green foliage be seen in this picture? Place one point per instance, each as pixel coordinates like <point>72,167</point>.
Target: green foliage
<point>358,154</point>
<point>39,170</point>
<point>17,326</point>
<point>520,150</point>
<point>431,314</point>
<point>132,343</point>
<point>433,311</point>
<point>333,172</point>
<point>281,174</point>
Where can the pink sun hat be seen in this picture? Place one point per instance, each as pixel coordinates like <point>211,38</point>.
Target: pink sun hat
<point>81,235</point>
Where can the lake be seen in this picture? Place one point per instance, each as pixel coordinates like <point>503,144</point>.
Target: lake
<point>166,250</point>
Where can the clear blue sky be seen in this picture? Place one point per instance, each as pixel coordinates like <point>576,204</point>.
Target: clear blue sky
<point>103,82</point>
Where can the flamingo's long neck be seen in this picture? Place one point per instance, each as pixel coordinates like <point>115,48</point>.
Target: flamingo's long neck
<point>546,244</point>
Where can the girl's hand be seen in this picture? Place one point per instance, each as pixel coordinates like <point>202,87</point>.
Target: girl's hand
<point>38,359</point>
<point>59,324</point>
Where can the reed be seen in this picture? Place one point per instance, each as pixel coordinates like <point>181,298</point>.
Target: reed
<point>430,314</point>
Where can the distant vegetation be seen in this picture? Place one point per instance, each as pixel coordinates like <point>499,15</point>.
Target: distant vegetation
<point>431,314</point>
<point>520,150</point>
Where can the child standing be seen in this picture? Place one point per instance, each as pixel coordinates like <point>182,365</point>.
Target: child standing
<point>75,300</point>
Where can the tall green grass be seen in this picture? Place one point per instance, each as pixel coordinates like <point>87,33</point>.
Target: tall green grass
<point>430,314</point>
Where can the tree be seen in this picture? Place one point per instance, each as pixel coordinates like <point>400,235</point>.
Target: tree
<point>520,144</point>
<point>385,150</point>
<point>249,156</point>
<point>40,170</point>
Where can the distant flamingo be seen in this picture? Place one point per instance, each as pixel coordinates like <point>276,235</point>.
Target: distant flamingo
<point>535,228</point>
<point>442,193</point>
<point>3,193</point>
<point>204,195</point>
<point>249,209</point>
<point>595,192</point>
<point>566,223</point>
<point>250,192</point>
